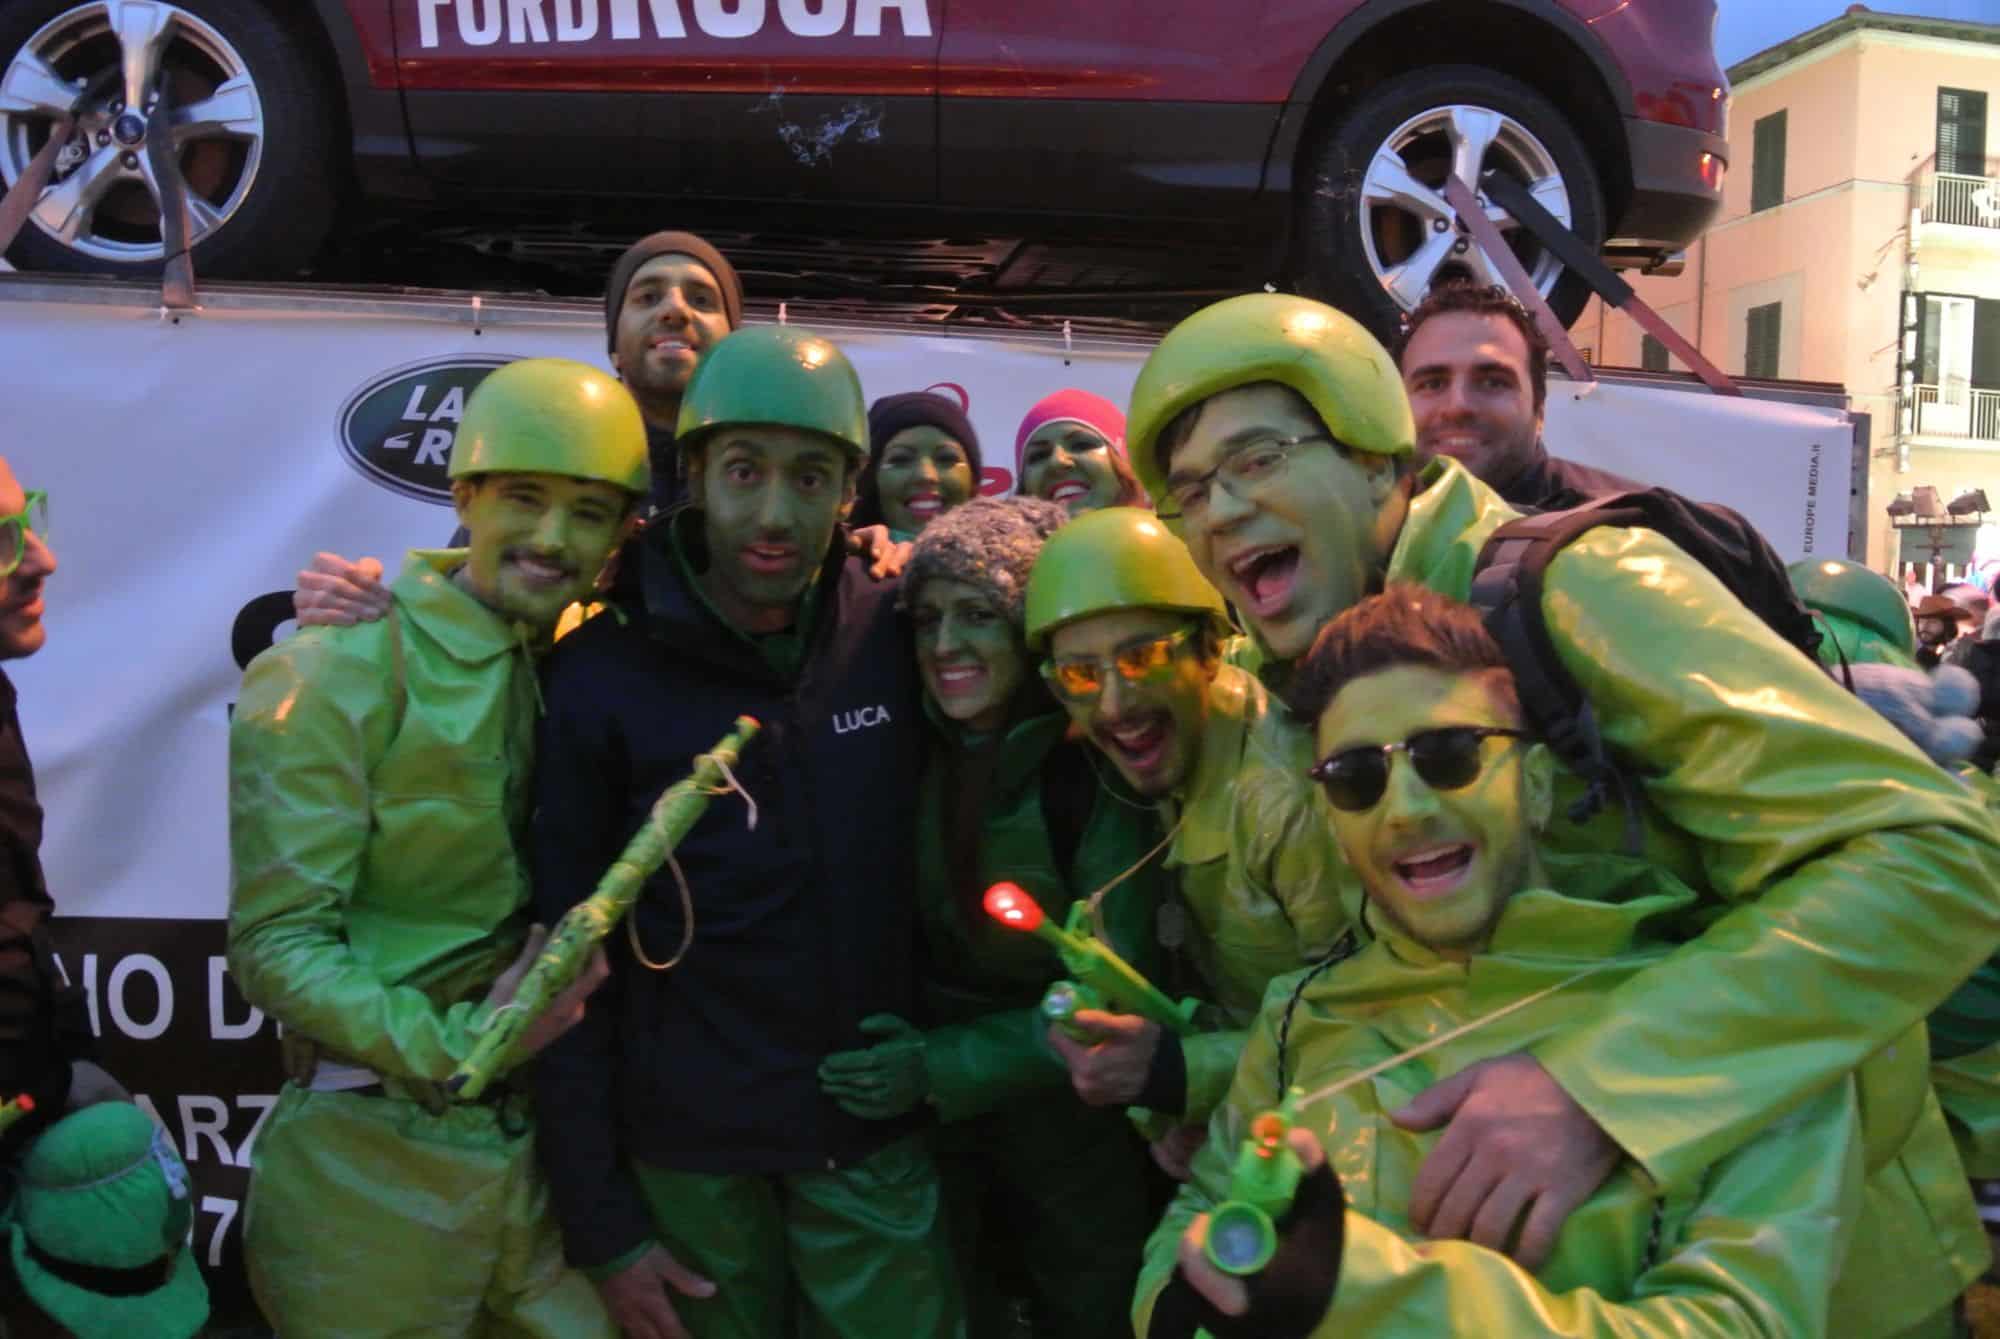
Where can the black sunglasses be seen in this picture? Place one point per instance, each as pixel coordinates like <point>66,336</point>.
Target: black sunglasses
<point>1446,758</point>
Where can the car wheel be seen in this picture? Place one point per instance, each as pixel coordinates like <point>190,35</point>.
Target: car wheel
<point>252,127</point>
<point>1377,232</point>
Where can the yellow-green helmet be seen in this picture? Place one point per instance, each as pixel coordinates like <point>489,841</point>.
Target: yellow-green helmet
<point>1111,559</point>
<point>1343,372</point>
<point>553,416</point>
<point>782,375</point>
<point>1857,596</point>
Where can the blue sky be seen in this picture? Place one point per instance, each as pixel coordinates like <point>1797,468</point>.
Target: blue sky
<point>1745,27</point>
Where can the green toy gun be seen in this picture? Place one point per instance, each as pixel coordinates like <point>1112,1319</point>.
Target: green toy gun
<point>1099,978</point>
<point>586,924</point>
<point>1243,1231</point>
<point>14,1111</point>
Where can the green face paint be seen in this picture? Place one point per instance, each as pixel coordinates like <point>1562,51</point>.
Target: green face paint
<point>1150,726</point>
<point>1438,863</point>
<point>538,541</point>
<point>923,473</point>
<point>1070,464</point>
<point>771,497</point>
<point>972,659</point>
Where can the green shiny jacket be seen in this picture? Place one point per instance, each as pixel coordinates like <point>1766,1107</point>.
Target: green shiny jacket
<point>1745,1247</point>
<point>984,982</point>
<point>1257,868</point>
<point>378,779</point>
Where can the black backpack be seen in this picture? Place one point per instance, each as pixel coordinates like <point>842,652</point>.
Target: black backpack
<point>1507,589</point>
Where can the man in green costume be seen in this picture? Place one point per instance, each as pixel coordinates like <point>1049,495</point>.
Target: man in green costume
<point>1134,636</point>
<point>379,782</point>
<point>1436,792</point>
<point>1846,879</point>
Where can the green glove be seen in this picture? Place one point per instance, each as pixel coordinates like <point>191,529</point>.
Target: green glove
<point>884,1081</point>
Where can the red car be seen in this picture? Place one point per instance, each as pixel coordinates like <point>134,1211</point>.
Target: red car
<point>1312,132</point>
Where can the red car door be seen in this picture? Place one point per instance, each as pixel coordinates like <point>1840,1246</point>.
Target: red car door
<point>1115,106</point>
<point>756,99</point>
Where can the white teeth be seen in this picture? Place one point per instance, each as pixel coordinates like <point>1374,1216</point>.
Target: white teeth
<point>956,675</point>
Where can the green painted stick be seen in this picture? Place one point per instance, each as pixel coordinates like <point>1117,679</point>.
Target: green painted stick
<point>586,924</point>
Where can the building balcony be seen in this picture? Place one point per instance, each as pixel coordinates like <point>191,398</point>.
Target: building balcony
<point>1962,202</point>
<point>1956,415</point>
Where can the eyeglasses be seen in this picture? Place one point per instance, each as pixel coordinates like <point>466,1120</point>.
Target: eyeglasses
<point>14,531</point>
<point>1446,759</point>
<point>1244,473</point>
<point>1083,678</point>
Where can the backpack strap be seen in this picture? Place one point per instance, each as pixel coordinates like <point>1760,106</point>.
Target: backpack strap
<point>1507,590</point>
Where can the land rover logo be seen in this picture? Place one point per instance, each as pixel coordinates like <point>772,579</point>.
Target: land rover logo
<point>398,428</point>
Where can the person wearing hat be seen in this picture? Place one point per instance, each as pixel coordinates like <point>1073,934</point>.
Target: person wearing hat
<point>1941,621</point>
<point>924,460</point>
<point>1032,1176</point>
<point>100,1234</point>
<point>379,787</point>
<point>1845,879</point>
<point>702,1178</point>
<point>1132,638</point>
<point>1070,449</point>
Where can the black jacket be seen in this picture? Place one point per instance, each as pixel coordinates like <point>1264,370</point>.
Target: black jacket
<point>803,927</point>
<point>43,1023</point>
<point>1550,482</point>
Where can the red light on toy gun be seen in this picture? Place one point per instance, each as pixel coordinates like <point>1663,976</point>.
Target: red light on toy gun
<point>1269,1132</point>
<point>1013,908</point>
<point>25,1102</point>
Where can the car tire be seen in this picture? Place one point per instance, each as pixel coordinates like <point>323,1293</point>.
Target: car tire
<point>1368,239</point>
<point>260,168</point>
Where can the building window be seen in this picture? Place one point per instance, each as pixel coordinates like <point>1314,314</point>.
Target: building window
<point>1652,354</point>
<point>1767,163</point>
<point>1760,348</point>
<point>1961,132</point>
<point>1957,372</point>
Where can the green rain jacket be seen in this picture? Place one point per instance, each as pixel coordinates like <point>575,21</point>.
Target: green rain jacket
<point>1257,869</point>
<point>984,982</point>
<point>378,780</point>
<point>1745,1247</point>
<point>1849,878</point>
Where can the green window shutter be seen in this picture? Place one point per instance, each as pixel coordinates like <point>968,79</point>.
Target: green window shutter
<point>1767,162</point>
<point>1652,354</point>
<point>1760,347</point>
<point>1961,131</point>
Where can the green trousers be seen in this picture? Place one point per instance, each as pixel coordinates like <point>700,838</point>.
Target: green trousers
<point>856,1253</point>
<point>1050,1196</point>
<point>369,1216</point>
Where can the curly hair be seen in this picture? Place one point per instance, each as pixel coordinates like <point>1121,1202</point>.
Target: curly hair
<point>1406,625</point>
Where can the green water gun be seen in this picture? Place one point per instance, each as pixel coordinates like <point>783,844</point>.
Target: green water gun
<point>13,1112</point>
<point>1099,978</point>
<point>1243,1230</point>
<point>586,924</point>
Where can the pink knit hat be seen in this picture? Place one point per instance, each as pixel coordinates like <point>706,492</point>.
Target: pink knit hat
<point>1071,406</point>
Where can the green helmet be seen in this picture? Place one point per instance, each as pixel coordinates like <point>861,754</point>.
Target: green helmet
<point>1845,590</point>
<point>553,416</point>
<point>778,374</point>
<point>1111,559</point>
<point>1343,372</point>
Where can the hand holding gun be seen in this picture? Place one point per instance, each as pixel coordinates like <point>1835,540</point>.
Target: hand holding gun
<point>1096,971</point>
<point>584,926</point>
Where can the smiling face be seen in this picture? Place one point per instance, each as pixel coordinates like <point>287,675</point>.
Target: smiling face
<point>1468,380</point>
<point>972,659</point>
<point>537,541</point>
<point>923,472</point>
<point>1296,553</point>
<point>673,314</point>
<point>1150,728</point>
<point>1070,464</point>
<point>770,498</point>
<point>21,630</point>
<point>1439,863</point>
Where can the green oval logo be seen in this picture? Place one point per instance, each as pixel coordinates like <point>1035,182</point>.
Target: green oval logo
<point>398,429</point>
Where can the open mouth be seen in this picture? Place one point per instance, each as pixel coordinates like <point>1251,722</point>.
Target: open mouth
<point>770,559</point>
<point>544,572</point>
<point>960,680</point>
<point>1068,491</point>
<point>1434,870</point>
<point>671,344</point>
<point>1140,745</point>
<point>1266,578</point>
<point>924,505</point>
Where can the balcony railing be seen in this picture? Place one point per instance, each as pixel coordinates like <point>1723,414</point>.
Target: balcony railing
<point>1970,202</point>
<point>1958,411</point>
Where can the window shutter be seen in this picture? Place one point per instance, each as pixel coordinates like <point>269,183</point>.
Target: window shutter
<point>1760,347</point>
<point>1652,354</point>
<point>1767,162</point>
<point>1961,131</point>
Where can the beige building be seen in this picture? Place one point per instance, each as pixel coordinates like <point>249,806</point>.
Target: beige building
<point>1858,243</point>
